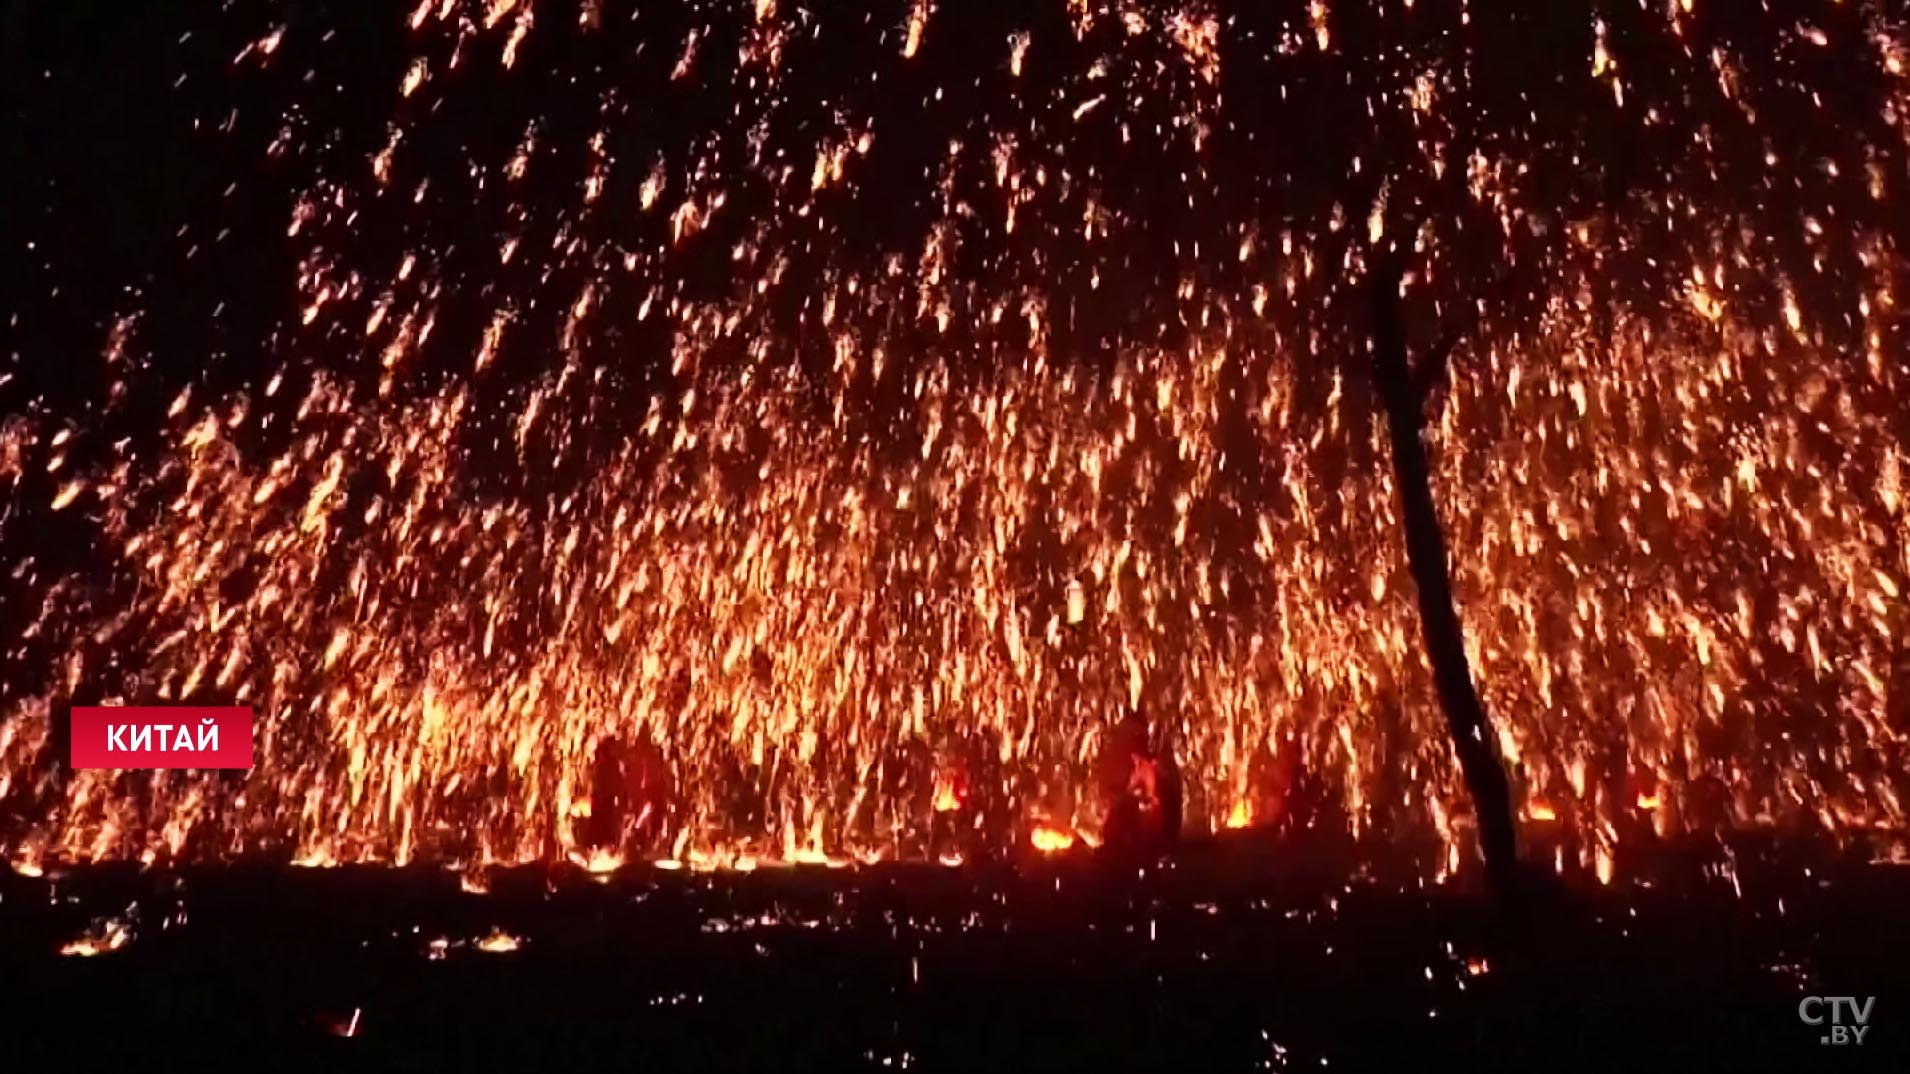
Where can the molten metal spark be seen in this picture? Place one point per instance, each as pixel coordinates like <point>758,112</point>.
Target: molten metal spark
<point>1050,840</point>
<point>104,936</point>
<point>497,941</point>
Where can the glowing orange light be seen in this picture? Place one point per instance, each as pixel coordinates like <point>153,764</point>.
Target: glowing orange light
<point>1050,840</point>
<point>499,942</point>
<point>104,937</point>
<point>1241,815</point>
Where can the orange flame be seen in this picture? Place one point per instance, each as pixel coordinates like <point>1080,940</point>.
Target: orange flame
<point>1050,840</point>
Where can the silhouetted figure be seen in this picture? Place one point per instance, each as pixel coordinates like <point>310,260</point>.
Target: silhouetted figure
<point>632,794</point>
<point>1140,791</point>
<point>1274,784</point>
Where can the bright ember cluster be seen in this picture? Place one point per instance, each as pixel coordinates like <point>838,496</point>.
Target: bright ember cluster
<point>835,418</point>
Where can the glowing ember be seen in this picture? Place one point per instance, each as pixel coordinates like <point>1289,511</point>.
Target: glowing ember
<point>104,936</point>
<point>599,862</point>
<point>1240,815</point>
<point>945,799</point>
<point>1050,840</point>
<point>498,942</point>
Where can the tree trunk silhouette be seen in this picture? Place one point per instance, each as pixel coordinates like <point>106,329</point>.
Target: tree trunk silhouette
<point>1403,394</point>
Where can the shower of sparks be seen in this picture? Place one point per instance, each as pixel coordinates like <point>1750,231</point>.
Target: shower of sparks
<point>867,424</point>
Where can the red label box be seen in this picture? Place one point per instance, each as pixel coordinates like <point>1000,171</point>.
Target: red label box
<point>162,736</point>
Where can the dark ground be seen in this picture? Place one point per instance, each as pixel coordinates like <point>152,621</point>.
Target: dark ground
<point>1223,961</point>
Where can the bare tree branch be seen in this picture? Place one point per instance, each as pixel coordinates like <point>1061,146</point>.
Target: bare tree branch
<point>1472,735</point>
